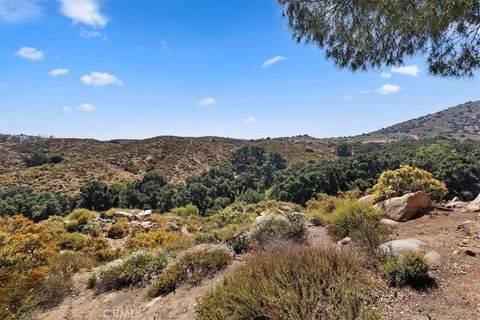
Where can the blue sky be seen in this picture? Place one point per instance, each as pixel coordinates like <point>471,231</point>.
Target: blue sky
<point>137,69</point>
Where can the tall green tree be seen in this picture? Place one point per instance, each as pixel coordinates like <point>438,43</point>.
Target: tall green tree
<point>365,34</point>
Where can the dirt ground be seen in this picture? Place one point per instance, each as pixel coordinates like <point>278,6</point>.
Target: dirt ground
<point>453,294</point>
<point>455,290</point>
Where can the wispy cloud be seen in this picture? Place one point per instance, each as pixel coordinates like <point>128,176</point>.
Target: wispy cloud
<point>100,79</point>
<point>30,53</point>
<point>207,101</point>
<point>84,11</point>
<point>59,72</point>
<point>249,120</point>
<point>19,10</point>
<point>348,97</point>
<point>385,75</point>
<point>412,70</point>
<point>86,107</point>
<point>87,34</point>
<point>367,91</point>
<point>272,61</point>
<point>67,109</point>
<point>389,89</point>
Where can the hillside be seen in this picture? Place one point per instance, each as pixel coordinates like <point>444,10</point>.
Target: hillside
<point>176,158</point>
<point>461,121</point>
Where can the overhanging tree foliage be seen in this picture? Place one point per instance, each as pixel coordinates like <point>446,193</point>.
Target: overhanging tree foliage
<point>365,34</point>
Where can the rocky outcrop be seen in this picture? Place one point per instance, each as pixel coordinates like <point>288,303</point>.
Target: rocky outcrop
<point>474,206</point>
<point>405,207</point>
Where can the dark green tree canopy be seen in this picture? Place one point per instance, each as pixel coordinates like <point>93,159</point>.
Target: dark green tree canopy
<point>365,34</point>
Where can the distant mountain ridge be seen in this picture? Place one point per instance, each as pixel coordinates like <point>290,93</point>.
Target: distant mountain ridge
<point>461,121</point>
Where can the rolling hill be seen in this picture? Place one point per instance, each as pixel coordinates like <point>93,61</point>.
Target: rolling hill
<point>461,121</point>
<point>177,158</point>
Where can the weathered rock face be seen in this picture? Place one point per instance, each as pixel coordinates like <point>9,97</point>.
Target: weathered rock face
<point>405,207</point>
<point>474,206</point>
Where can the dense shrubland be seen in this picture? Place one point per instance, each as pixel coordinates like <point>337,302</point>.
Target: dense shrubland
<point>254,174</point>
<point>217,214</point>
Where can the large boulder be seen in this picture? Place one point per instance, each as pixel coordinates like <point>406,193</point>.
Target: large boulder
<point>405,207</point>
<point>370,199</point>
<point>474,206</point>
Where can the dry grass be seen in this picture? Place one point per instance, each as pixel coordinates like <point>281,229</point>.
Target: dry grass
<point>293,283</point>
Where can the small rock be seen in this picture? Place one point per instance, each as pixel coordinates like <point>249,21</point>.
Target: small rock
<point>389,222</point>
<point>122,214</point>
<point>435,259</point>
<point>344,241</point>
<point>456,252</point>
<point>144,215</point>
<point>469,252</point>
<point>465,241</point>
<point>398,247</point>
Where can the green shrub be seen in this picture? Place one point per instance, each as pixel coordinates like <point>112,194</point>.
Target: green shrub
<point>186,211</point>
<point>251,196</point>
<point>137,270</point>
<point>206,237</point>
<point>81,215</point>
<point>361,222</point>
<point>239,243</point>
<point>395,183</point>
<point>275,230</point>
<point>190,267</point>
<point>409,269</point>
<point>294,283</point>
<point>118,230</point>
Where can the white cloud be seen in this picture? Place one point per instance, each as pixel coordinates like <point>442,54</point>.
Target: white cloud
<point>389,89</point>
<point>385,75</point>
<point>100,79</point>
<point>29,53</point>
<point>84,11</point>
<point>412,70</point>
<point>86,107</point>
<point>18,10</point>
<point>67,109</point>
<point>90,33</point>
<point>59,72</point>
<point>272,61</point>
<point>348,97</point>
<point>367,91</point>
<point>250,120</point>
<point>207,101</point>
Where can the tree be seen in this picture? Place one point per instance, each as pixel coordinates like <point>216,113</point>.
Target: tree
<point>94,195</point>
<point>364,34</point>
